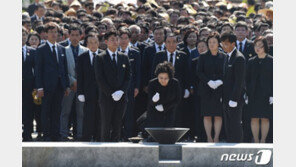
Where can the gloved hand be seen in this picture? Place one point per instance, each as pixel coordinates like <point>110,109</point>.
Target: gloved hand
<point>186,94</point>
<point>232,103</point>
<point>212,84</point>
<point>155,98</point>
<point>218,83</point>
<point>270,100</point>
<point>81,98</point>
<point>246,99</point>
<point>159,108</point>
<point>117,95</point>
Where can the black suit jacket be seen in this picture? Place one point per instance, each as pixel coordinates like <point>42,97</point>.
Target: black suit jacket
<point>234,78</point>
<point>28,78</point>
<point>86,80</point>
<point>31,8</point>
<point>147,62</point>
<point>248,51</point>
<point>209,70</point>
<point>181,67</point>
<point>135,62</point>
<point>47,71</point>
<point>34,18</point>
<point>107,78</point>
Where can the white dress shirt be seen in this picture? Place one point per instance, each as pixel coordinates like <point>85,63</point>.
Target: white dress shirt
<point>229,54</point>
<point>157,47</point>
<point>244,42</point>
<point>111,53</point>
<point>91,56</point>
<point>56,49</point>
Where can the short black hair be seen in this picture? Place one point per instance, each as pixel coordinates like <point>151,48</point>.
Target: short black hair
<point>50,26</point>
<point>158,28</point>
<point>40,29</point>
<point>230,36</point>
<point>170,35</point>
<point>39,6</point>
<point>74,28</point>
<point>91,35</point>
<point>110,33</point>
<point>241,24</point>
<point>165,67</point>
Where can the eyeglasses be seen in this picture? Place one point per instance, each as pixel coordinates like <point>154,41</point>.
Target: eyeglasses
<point>258,46</point>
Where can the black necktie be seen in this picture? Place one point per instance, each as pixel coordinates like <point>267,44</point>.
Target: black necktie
<point>54,54</point>
<point>241,47</point>
<point>93,58</point>
<point>171,58</point>
<point>114,61</point>
<point>159,48</point>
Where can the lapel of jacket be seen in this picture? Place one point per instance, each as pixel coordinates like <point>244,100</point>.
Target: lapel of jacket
<point>233,55</point>
<point>50,53</point>
<point>119,62</point>
<point>60,53</point>
<point>108,59</point>
<point>70,56</point>
<point>246,46</point>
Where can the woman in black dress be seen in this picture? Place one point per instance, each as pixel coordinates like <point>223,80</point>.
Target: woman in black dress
<point>164,94</point>
<point>210,72</point>
<point>260,89</point>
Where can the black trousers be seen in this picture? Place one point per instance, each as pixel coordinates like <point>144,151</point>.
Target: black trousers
<point>232,119</point>
<point>112,113</point>
<point>91,119</point>
<point>129,122</point>
<point>51,111</point>
<point>27,114</point>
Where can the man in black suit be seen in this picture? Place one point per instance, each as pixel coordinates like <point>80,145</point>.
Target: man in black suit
<point>88,90</point>
<point>234,80</point>
<point>134,39</point>
<point>133,89</point>
<point>149,54</point>
<point>246,47</point>
<point>52,81</point>
<point>179,60</point>
<point>38,13</point>
<point>112,70</point>
<point>28,62</point>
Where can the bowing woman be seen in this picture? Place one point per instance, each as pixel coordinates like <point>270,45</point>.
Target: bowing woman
<point>259,89</point>
<point>210,72</point>
<point>164,94</point>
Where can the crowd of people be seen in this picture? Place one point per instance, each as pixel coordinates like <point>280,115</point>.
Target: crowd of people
<point>104,72</point>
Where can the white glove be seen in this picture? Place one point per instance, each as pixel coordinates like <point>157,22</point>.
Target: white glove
<point>159,108</point>
<point>221,99</point>
<point>232,103</point>
<point>186,94</point>
<point>246,99</point>
<point>212,84</point>
<point>117,95</point>
<point>270,100</point>
<point>218,83</point>
<point>155,98</point>
<point>81,98</point>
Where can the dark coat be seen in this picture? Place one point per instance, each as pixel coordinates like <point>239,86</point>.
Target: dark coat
<point>28,77</point>
<point>248,51</point>
<point>86,80</point>
<point>109,79</point>
<point>170,96</point>
<point>259,82</point>
<point>234,78</point>
<point>181,67</point>
<point>47,71</point>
